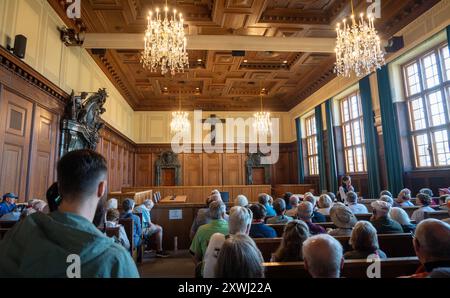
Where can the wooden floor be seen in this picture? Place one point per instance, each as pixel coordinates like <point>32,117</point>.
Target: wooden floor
<point>178,265</point>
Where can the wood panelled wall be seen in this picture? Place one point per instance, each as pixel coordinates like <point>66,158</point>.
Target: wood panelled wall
<point>30,110</point>
<point>213,168</point>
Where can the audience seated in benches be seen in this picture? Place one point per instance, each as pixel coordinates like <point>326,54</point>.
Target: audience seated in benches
<point>127,207</point>
<point>294,201</point>
<point>355,207</point>
<point>324,203</point>
<point>280,208</point>
<point>82,181</point>
<point>364,242</point>
<point>240,221</point>
<point>286,197</point>
<point>400,216</point>
<point>7,207</point>
<point>305,212</point>
<point>239,258</point>
<point>403,199</point>
<point>323,256</point>
<point>425,201</point>
<point>203,216</point>
<point>241,200</point>
<point>381,219</point>
<point>150,229</point>
<point>432,246</point>
<point>264,199</point>
<point>317,216</point>
<point>290,250</point>
<point>112,221</point>
<point>259,229</point>
<point>217,224</point>
<point>343,218</point>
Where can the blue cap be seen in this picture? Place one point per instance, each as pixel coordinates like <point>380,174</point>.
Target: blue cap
<point>10,195</point>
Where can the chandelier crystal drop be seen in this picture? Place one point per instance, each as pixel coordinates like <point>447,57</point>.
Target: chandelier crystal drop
<point>262,122</point>
<point>180,122</point>
<point>165,42</point>
<point>358,47</point>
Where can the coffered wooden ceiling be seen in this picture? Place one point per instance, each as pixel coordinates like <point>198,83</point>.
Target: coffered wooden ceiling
<point>216,80</point>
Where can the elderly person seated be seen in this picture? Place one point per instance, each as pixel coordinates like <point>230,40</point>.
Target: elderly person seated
<point>426,191</point>
<point>286,197</point>
<point>325,203</point>
<point>203,217</point>
<point>305,212</point>
<point>381,219</point>
<point>294,201</point>
<point>280,209</point>
<point>432,246</point>
<point>364,241</point>
<point>352,200</point>
<point>112,204</point>
<point>240,221</point>
<point>400,216</point>
<point>323,256</point>
<point>425,201</point>
<point>386,193</point>
<point>317,216</point>
<point>344,220</point>
<point>259,229</point>
<point>264,199</point>
<point>290,249</point>
<point>403,199</point>
<point>241,201</point>
<point>112,221</point>
<point>239,258</point>
<point>332,196</point>
<point>387,199</point>
<point>8,204</point>
<point>217,224</point>
<point>128,206</point>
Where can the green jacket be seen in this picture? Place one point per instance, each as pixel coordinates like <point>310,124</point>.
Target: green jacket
<point>39,246</point>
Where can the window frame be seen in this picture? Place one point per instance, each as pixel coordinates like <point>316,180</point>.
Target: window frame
<point>444,88</point>
<point>311,137</point>
<point>350,122</point>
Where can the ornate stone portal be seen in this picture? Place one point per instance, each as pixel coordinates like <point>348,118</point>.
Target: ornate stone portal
<point>167,160</point>
<point>81,122</point>
<point>254,162</point>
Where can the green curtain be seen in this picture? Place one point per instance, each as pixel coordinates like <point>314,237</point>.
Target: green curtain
<point>333,175</point>
<point>370,139</point>
<point>448,36</point>
<point>301,171</point>
<point>320,151</point>
<point>392,150</point>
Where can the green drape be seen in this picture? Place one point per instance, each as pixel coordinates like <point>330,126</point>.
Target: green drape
<point>448,37</point>
<point>301,171</point>
<point>393,157</point>
<point>370,139</point>
<point>333,175</point>
<point>320,151</point>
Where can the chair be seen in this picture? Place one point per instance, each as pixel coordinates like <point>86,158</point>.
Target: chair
<point>113,232</point>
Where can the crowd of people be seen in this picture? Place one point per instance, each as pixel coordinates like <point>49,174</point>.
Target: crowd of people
<point>74,219</point>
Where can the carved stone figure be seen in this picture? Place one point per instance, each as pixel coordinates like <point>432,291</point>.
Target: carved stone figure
<point>167,160</point>
<point>81,122</point>
<point>254,161</point>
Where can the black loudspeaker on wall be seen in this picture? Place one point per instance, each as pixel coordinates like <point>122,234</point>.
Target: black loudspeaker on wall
<point>20,46</point>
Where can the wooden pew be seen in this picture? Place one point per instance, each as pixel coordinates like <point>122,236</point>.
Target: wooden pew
<point>390,268</point>
<point>279,228</point>
<point>394,245</point>
<point>7,224</point>
<point>441,214</point>
<point>365,216</point>
<point>127,224</point>
<point>280,189</point>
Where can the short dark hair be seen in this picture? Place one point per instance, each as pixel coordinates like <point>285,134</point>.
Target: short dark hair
<point>128,204</point>
<point>280,206</point>
<point>79,172</point>
<point>259,211</point>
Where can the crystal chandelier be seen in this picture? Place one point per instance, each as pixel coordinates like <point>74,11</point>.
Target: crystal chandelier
<point>358,48</point>
<point>262,123</point>
<point>165,42</point>
<point>180,121</point>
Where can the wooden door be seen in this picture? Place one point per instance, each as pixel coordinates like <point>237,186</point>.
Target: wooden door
<point>167,177</point>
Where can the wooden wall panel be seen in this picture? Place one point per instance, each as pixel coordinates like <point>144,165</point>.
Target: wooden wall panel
<point>233,170</point>
<point>143,170</point>
<point>212,169</point>
<point>193,169</point>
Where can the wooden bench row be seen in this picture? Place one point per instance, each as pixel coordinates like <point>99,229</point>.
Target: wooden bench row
<point>394,245</point>
<point>389,268</point>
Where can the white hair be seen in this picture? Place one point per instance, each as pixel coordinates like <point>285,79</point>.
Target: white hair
<point>240,220</point>
<point>325,201</point>
<point>112,204</point>
<point>310,198</point>
<point>294,200</point>
<point>323,255</point>
<point>305,210</point>
<point>387,199</point>
<point>400,216</point>
<point>217,209</point>
<point>241,200</point>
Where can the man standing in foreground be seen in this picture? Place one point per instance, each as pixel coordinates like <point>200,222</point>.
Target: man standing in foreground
<point>51,245</point>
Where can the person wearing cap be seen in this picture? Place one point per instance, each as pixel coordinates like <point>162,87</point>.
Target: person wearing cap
<point>381,219</point>
<point>344,220</point>
<point>425,202</point>
<point>280,208</point>
<point>8,204</point>
<point>128,206</point>
<point>352,200</point>
<point>364,241</point>
<point>305,212</point>
<point>403,199</point>
<point>444,192</point>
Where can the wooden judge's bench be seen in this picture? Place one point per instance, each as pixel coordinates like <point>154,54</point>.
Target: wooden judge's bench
<point>178,206</point>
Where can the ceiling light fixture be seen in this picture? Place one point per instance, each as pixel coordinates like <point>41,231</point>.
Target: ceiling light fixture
<point>262,123</point>
<point>180,120</point>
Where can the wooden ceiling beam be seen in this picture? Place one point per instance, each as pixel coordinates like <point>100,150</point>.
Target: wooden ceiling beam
<point>123,41</point>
